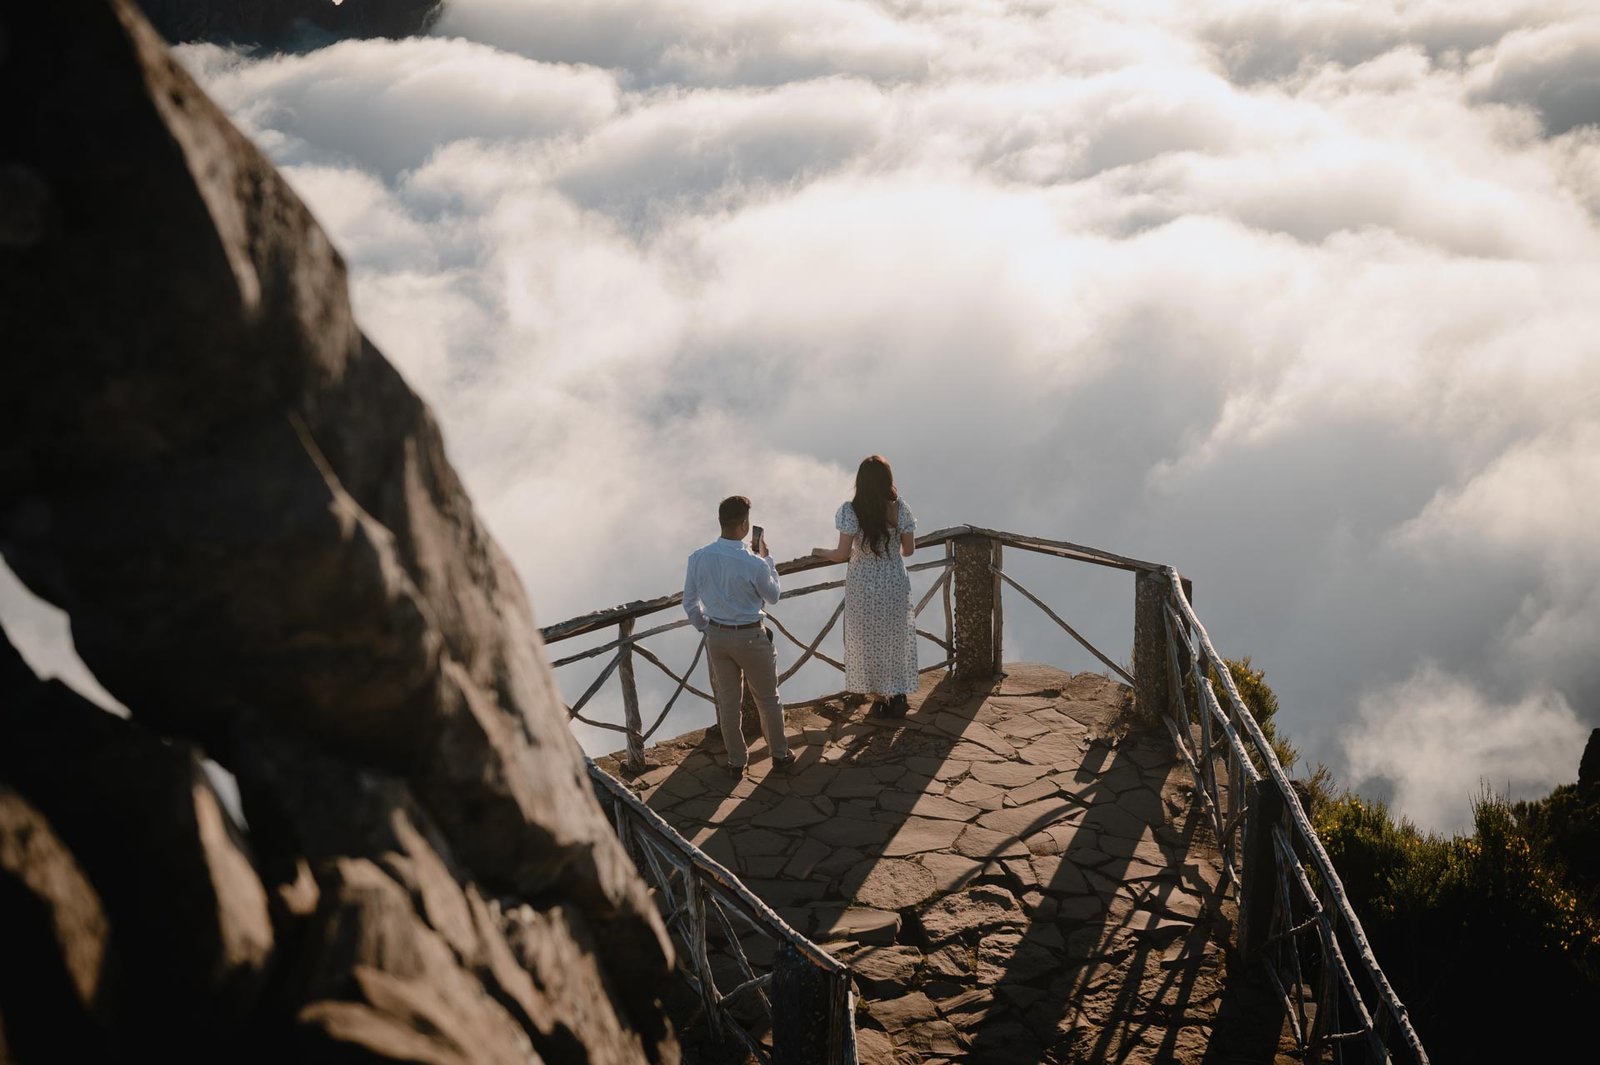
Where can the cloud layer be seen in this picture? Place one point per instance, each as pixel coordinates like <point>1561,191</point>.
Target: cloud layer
<point>1300,298</point>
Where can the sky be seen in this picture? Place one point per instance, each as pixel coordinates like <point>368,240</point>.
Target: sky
<point>1302,299</point>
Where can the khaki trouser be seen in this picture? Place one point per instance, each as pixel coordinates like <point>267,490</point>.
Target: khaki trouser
<point>745,656</point>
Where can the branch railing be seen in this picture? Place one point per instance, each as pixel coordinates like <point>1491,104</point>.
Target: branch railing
<point>1294,915</point>
<point>630,643</point>
<point>802,1001</point>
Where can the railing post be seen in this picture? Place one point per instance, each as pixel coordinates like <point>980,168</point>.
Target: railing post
<point>950,619</point>
<point>630,696</point>
<point>996,560</point>
<point>694,933</point>
<point>1152,691</point>
<point>802,1010</point>
<point>1258,881</point>
<point>842,1040</point>
<point>975,608</point>
<point>1184,665</point>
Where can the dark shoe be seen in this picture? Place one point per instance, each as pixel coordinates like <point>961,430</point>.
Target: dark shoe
<point>897,706</point>
<point>785,762</point>
<point>879,709</point>
<point>735,772</point>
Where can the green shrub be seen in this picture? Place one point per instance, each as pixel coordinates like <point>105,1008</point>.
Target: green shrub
<point>1565,828</point>
<point>1491,939</point>
<point>1469,927</point>
<point>1377,857</point>
<point>1262,702</point>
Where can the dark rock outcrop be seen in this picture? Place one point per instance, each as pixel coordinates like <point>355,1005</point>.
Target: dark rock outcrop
<point>1589,765</point>
<point>143,822</point>
<point>57,988</point>
<point>273,22</point>
<point>265,554</point>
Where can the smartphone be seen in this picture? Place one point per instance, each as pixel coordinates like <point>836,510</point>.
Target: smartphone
<point>757,538</point>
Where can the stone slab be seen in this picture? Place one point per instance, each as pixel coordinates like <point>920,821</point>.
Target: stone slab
<point>891,883</point>
<point>1008,774</point>
<point>792,812</point>
<point>919,835</point>
<point>924,805</point>
<point>1024,821</point>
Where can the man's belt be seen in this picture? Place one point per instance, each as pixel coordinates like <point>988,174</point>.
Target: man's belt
<point>725,625</point>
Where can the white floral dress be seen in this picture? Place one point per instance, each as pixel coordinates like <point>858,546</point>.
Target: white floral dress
<point>880,637</point>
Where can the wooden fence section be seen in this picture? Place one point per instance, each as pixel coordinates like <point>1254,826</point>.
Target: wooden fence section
<point>802,1003</point>
<point>630,642</point>
<point>1294,915</point>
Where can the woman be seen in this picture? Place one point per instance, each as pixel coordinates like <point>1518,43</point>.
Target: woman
<point>877,533</point>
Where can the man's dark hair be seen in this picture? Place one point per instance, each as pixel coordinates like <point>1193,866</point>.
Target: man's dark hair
<point>733,510</point>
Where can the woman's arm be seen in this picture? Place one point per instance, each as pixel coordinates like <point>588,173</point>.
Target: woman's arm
<point>908,544</point>
<point>835,554</point>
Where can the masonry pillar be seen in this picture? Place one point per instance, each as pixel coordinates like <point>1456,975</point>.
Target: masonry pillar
<point>975,650</point>
<point>1152,683</point>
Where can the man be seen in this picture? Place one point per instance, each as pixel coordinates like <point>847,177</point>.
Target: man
<point>725,593</point>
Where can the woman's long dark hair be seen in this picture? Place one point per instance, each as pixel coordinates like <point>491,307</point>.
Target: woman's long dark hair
<point>875,492</point>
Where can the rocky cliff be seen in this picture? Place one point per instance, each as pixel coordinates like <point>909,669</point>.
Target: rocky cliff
<point>265,554</point>
<point>274,22</point>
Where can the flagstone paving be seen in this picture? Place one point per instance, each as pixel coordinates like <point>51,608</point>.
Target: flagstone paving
<point>1016,872</point>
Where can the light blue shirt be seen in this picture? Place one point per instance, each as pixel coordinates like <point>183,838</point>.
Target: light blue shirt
<point>727,582</point>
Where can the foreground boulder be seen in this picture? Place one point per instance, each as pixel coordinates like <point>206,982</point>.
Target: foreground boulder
<point>58,976</point>
<point>143,822</point>
<point>279,21</point>
<point>265,554</point>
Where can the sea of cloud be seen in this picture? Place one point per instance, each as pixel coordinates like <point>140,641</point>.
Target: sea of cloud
<point>1301,298</point>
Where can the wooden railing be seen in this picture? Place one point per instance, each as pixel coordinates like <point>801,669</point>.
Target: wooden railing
<point>1294,916</point>
<point>972,575</point>
<point>803,1002</point>
<point>630,643</point>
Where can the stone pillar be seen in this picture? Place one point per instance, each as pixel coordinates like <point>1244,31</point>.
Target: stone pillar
<point>975,602</point>
<point>1259,879</point>
<point>1152,684</point>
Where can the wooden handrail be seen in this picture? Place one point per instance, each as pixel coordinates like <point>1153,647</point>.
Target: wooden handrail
<point>1063,549</point>
<point>599,619</point>
<point>1304,832</point>
<point>709,887</point>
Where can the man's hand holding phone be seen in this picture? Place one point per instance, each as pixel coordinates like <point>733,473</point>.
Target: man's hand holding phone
<point>758,540</point>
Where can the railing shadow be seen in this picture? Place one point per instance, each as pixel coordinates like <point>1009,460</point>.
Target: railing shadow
<point>827,799</point>
<point>1249,1024</point>
<point>1110,906</point>
<point>851,842</point>
<point>806,840</point>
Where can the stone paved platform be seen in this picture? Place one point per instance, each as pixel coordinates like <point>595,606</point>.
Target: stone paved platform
<point>1015,871</point>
